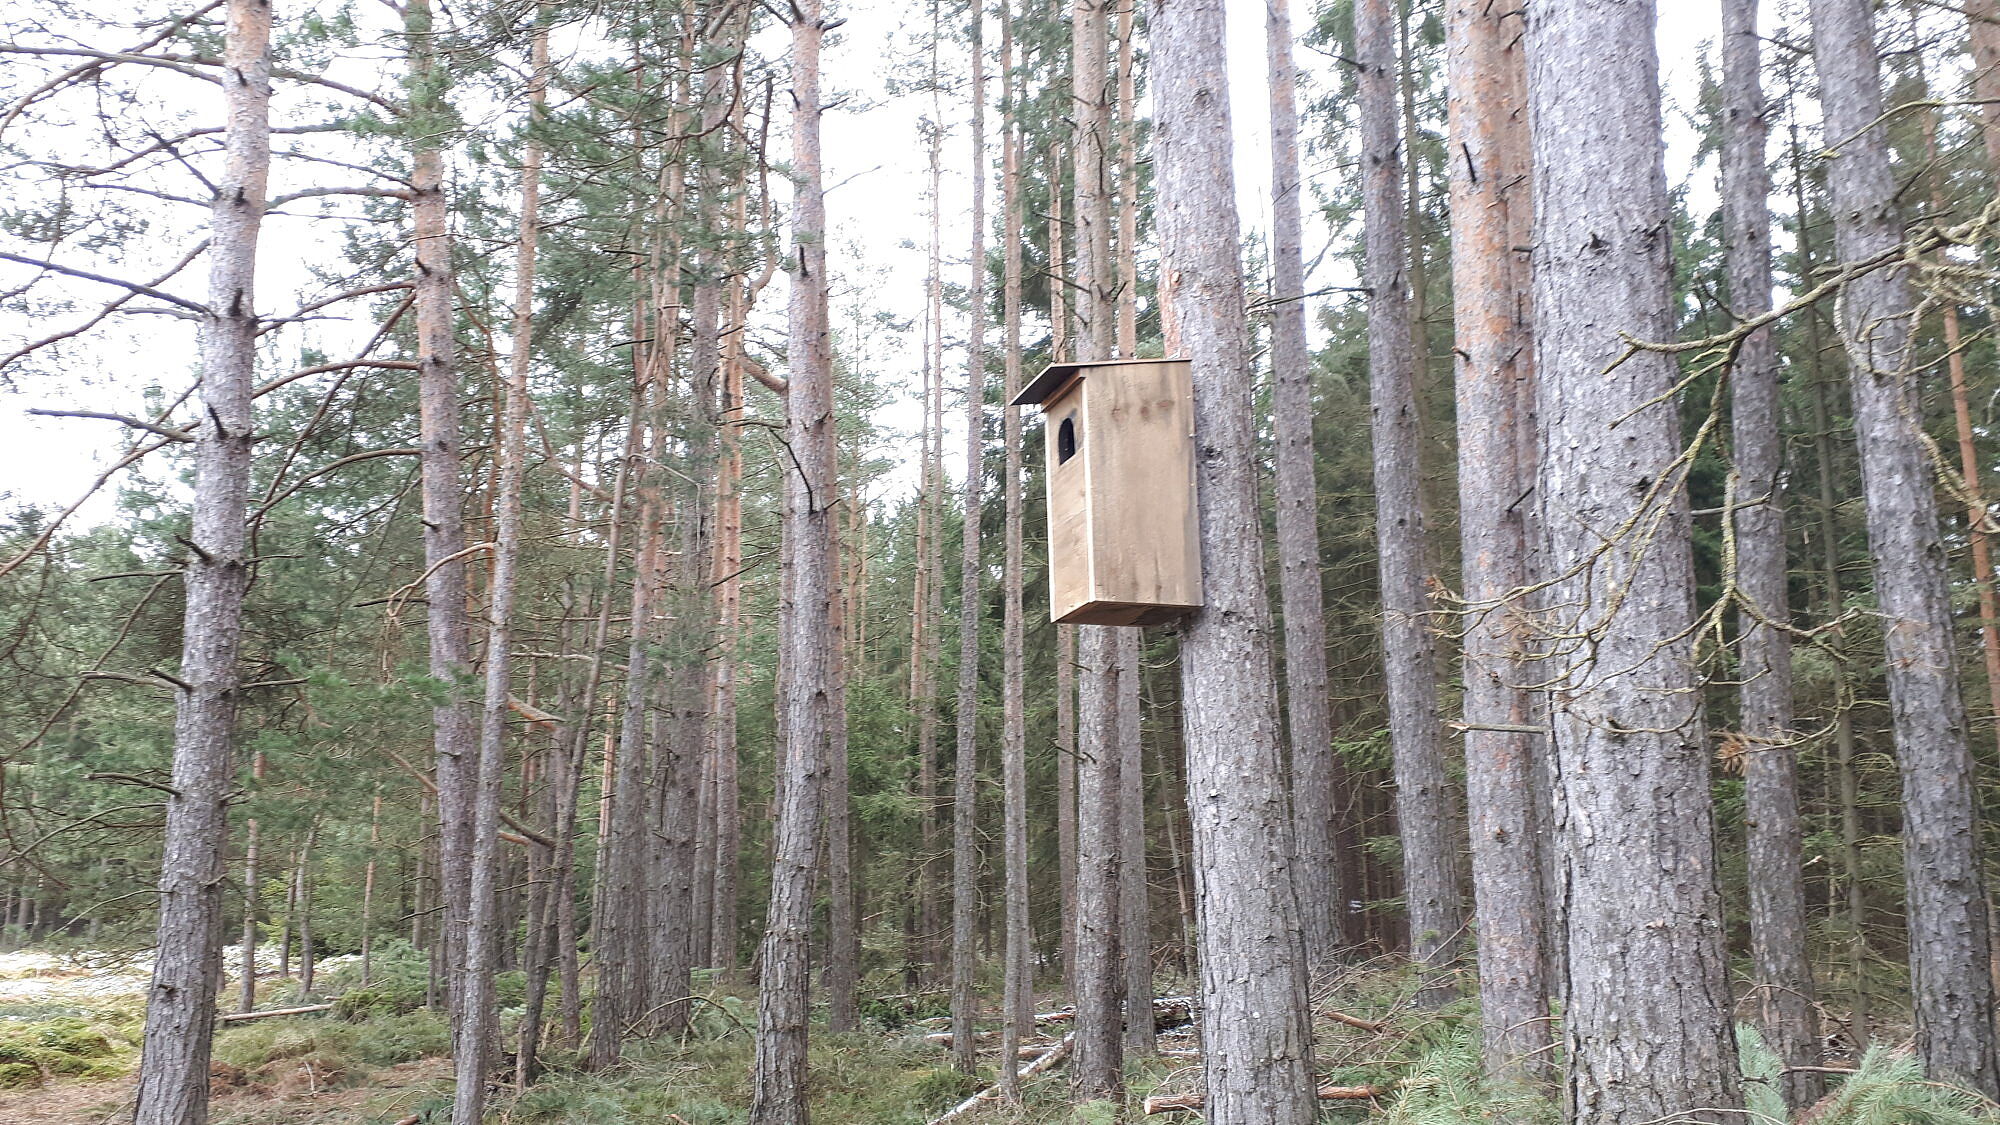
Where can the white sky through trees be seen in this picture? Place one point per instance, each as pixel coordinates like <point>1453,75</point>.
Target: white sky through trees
<point>878,210</point>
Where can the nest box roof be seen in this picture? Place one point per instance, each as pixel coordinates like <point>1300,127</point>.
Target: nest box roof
<point>1057,375</point>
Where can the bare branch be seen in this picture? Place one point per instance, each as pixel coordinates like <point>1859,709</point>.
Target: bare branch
<point>161,294</point>
<point>168,432</point>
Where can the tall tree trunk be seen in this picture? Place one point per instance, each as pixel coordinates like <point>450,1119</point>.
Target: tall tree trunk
<point>1491,218</point>
<point>1135,913</point>
<point>1309,722</point>
<point>1835,604</point>
<point>308,956</point>
<point>779,1080</point>
<point>1783,976</point>
<point>1018,984</point>
<point>1256,1026</point>
<point>1633,814</point>
<point>1066,696</point>
<point>1426,808</point>
<point>455,731</point>
<point>1947,901</point>
<point>252,898</point>
<point>729,586</point>
<point>843,936</point>
<point>187,968</point>
<point>1097,1070</point>
<point>1982,19</point>
<point>1135,916</point>
<point>478,1026</point>
<point>972,603</point>
<point>368,887</point>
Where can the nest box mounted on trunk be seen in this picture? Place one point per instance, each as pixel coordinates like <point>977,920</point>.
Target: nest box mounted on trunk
<point>1120,443</point>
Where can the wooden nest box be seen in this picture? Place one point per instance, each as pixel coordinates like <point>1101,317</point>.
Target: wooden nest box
<point>1120,447</point>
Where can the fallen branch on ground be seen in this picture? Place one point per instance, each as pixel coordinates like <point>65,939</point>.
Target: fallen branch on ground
<point>239,1017</point>
<point>1171,1103</point>
<point>1055,1055</point>
<point>1355,1021</point>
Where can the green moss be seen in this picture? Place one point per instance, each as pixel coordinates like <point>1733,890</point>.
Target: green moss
<point>19,1076</point>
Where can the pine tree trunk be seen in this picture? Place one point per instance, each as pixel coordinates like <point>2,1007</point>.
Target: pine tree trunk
<point>252,900</point>
<point>478,1025</point>
<point>368,888</point>
<point>1492,213</point>
<point>308,957</point>
<point>971,610</point>
<point>456,733</point>
<point>187,969</point>
<point>843,938</point>
<point>779,1078</point>
<point>1098,1064</point>
<point>1835,605</point>
<point>1097,1068</point>
<point>1947,901</point>
<point>1425,804</point>
<point>1778,945</point>
<point>1982,18</point>
<point>1066,655</point>
<point>1135,916</point>
<point>1646,1005</point>
<point>1018,986</point>
<point>1309,721</point>
<point>728,565</point>
<point>1256,1027</point>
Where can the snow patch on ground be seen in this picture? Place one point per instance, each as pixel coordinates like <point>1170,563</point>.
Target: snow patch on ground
<point>34,976</point>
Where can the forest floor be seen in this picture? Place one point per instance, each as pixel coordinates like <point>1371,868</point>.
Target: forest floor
<point>70,1026</point>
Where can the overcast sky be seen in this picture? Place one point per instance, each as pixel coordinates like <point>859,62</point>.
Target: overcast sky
<point>875,161</point>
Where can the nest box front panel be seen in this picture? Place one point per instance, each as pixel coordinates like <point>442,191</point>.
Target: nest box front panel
<point>1122,542</point>
<point>1069,506</point>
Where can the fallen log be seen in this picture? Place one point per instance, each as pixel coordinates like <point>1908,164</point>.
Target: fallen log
<point>943,1038</point>
<point>1172,1103</point>
<point>1054,1055</point>
<point>239,1017</point>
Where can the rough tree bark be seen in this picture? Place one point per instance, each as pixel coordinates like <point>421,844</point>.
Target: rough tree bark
<point>1097,1070</point>
<point>971,606</point>
<point>1308,718</point>
<point>1491,219</point>
<point>1017,992</point>
<point>1135,916</point>
<point>187,968</point>
<point>1426,807</point>
<point>1647,1004</point>
<point>1947,901</point>
<point>479,1019</point>
<point>455,734</point>
<point>1256,1027</point>
<point>779,1079</point>
<point>247,987</point>
<point>1778,946</point>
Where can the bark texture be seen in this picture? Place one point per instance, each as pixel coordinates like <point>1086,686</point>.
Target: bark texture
<point>187,969</point>
<point>1017,993</point>
<point>971,606</point>
<point>1646,994</point>
<point>1097,1070</point>
<point>779,1078</point>
<point>1309,719</point>
<point>1947,902</point>
<point>1492,212</point>
<point>1426,807</point>
<point>1782,976</point>
<point>1255,1014</point>
<point>455,734</point>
